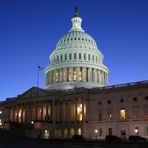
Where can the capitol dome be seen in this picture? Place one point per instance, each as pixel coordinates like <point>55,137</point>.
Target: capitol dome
<point>76,61</point>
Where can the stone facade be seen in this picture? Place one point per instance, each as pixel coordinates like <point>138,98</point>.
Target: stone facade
<point>120,110</point>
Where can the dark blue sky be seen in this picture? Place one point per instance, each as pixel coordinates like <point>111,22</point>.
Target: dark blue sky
<point>30,29</point>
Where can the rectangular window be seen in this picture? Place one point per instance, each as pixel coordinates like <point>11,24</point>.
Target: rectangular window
<point>61,58</point>
<point>146,98</point>
<point>100,131</point>
<point>93,57</point>
<point>109,101</point>
<point>57,58</point>
<point>84,56</point>
<point>123,132</point>
<point>147,129</point>
<point>99,116</point>
<point>70,56</point>
<point>65,56</point>
<point>122,114</point>
<point>109,116</point>
<point>80,56</point>
<point>89,57</point>
<point>75,56</point>
<point>110,131</point>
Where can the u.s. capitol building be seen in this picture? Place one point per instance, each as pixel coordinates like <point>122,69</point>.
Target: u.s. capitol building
<point>77,99</point>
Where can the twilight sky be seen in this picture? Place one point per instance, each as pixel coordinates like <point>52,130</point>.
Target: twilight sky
<point>30,29</point>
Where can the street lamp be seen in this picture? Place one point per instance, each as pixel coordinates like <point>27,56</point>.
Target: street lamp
<point>96,133</point>
<point>136,131</point>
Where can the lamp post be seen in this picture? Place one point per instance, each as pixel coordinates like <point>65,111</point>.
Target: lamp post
<point>96,133</point>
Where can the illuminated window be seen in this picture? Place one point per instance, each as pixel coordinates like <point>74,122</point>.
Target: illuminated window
<point>122,114</point>
<point>109,116</point>
<point>80,74</point>
<point>79,112</point>
<point>46,134</point>
<point>56,133</point>
<point>56,76</point>
<point>79,131</point>
<point>74,74</point>
<point>69,74</point>
<point>72,132</point>
<point>65,133</point>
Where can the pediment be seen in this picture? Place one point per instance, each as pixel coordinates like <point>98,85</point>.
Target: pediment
<point>34,92</point>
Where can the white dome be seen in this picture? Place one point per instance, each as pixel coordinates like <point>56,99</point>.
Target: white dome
<point>76,61</point>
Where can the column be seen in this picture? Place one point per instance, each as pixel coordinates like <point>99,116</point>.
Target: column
<point>100,81</point>
<point>76,111</point>
<point>83,78</point>
<point>36,111</point>
<point>58,75</point>
<point>61,75</point>
<point>42,105</point>
<point>53,111</point>
<point>17,119</point>
<point>63,111</point>
<point>47,116</point>
<point>83,118</point>
<point>89,74</point>
<point>71,71</point>
<point>66,75</point>
<point>50,77</point>
<point>87,110</point>
<point>54,72</point>
<point>69,110</point>
<point>22,114</point>
<point>77,74</point>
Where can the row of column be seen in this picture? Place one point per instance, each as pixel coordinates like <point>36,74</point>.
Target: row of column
<point>77,74</point>
<point>60,112</point>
